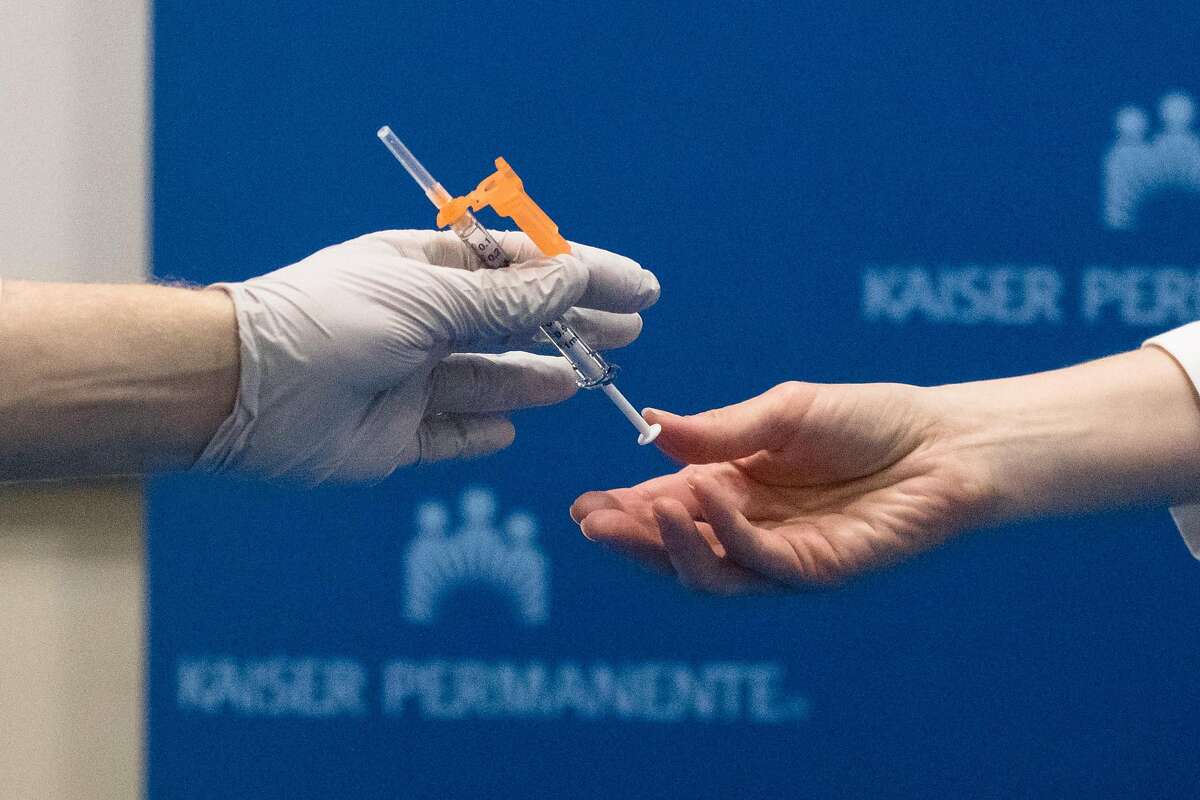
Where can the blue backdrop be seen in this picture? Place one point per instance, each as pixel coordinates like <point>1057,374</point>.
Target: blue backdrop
<point>831,172</point>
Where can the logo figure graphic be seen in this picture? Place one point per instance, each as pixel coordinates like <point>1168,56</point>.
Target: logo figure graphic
<point>438,561</point>
<point>1136,167</point>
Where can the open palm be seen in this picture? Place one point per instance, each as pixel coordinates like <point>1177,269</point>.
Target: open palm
<point>802,486</point>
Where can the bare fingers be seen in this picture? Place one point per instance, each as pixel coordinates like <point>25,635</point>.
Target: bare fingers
<point>697,563</point>
<point>623,519</point>
<point>637,499</point>
<point>656,524</point>
<point>630,536</point>
<point>694,524</point>
<point>786,554</point>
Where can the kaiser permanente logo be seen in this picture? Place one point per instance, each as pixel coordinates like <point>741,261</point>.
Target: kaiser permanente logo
<point>1139,165</point>
<point>483,548</point>
<point>440,561</point>
<point>1137,168</point>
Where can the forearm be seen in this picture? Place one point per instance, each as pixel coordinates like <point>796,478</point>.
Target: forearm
<point>103,380</point>
<point>1120,431</point>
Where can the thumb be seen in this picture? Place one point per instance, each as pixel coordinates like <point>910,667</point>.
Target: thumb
<point>490,304</point>
<point>765,422</point>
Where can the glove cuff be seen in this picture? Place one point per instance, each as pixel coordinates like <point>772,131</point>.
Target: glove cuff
<point>219,455</point>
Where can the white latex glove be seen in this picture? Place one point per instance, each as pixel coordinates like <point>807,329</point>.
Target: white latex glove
<point>364,357</point>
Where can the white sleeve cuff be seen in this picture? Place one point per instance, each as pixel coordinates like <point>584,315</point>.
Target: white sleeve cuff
<point>1183,345</point>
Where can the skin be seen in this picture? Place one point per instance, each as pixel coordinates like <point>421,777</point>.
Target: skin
<point>107,380</point>
<point>808,485</point>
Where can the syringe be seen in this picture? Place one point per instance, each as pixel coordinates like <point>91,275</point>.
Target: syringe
<point>591,369</point>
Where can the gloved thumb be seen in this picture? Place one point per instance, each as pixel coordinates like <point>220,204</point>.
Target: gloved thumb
<point>490,304</point>
<point>761,423</point>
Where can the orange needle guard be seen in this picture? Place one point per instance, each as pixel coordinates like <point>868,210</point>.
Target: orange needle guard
<point>504,191</point>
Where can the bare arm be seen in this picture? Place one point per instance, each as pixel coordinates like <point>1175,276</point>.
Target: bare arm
<point>1120,431</point>
<point>810,484</point>
<point>104,380</point>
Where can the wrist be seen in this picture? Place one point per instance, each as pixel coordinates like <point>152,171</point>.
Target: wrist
<point>1117,432</point>
<point>205,389</point>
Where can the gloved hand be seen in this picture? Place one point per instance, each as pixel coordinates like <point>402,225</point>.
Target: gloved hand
<point>366,356</point>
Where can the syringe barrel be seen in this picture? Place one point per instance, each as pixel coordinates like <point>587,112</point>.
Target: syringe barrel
<point>591,370</point>
<point>480,240</point>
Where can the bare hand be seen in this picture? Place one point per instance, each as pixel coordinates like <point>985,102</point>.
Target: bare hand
<point>802,486</point>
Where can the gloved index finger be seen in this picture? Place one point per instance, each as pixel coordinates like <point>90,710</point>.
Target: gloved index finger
<point>470,309</point>
<point>615,282</point>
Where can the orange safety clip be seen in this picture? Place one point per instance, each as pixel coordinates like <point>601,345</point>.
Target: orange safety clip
<point>504,192</point>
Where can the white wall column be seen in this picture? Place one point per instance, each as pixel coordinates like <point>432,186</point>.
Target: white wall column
<point>74,169</point>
